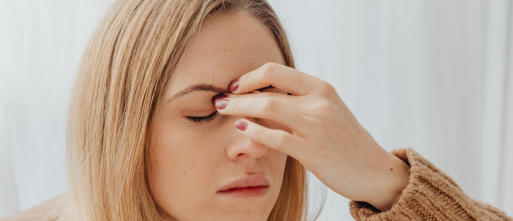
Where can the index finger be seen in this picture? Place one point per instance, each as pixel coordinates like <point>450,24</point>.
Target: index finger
<point>277,75</point>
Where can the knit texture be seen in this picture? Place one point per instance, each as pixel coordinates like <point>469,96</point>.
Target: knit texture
<point>429,195</point>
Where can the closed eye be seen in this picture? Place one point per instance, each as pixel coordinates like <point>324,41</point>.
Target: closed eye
<point>203,119</point>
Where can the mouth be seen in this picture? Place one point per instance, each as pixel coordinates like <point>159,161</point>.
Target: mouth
<point>251,186</point>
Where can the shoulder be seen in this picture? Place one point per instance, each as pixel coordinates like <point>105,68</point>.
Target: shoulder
<point>43,212</point>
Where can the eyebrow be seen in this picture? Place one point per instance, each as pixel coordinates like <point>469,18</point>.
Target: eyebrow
<point>197,87</point>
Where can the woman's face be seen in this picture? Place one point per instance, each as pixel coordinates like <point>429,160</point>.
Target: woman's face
<point>193,153</point>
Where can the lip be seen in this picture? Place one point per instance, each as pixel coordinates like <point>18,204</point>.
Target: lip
<point>250,186</point>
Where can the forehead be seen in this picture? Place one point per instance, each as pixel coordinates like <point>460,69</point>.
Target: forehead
<point>227,46</point>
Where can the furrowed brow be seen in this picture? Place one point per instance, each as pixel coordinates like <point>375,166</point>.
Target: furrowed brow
<point>197,87</point>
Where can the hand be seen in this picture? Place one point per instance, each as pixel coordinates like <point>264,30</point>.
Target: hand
<point>319,131</point>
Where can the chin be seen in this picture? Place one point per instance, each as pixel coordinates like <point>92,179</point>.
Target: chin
<point>246,215</point>
<point>245,209</point>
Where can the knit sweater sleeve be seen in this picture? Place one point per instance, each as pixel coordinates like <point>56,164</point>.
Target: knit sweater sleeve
<point>429,195</point>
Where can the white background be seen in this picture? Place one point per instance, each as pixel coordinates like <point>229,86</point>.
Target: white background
<point>431,74</point>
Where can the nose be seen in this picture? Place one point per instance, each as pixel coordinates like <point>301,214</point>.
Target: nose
<point>245,147</point>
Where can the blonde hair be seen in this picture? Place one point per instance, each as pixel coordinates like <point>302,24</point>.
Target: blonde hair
<point>124,71</point>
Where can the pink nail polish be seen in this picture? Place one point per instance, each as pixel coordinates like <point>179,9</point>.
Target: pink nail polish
<point>234,85</point>
<point>241,125</point>
<point>217,97</point>
<point>221,103</point>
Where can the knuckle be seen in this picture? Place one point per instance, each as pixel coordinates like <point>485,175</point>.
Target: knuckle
<point>257,132</point>
<point>271,105</point>
<point>281,140</point>
<point>270,68</point>
<point>234,103</point>
<point>326,88</point>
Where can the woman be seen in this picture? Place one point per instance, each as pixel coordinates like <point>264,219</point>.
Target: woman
<point>192,110</point>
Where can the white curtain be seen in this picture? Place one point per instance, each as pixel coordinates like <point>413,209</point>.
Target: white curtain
<point>434,75</point>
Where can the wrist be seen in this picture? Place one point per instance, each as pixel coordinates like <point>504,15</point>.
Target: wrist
<point>391,181</point>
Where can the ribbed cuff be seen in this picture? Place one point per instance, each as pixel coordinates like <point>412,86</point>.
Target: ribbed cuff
<point>429,195</point>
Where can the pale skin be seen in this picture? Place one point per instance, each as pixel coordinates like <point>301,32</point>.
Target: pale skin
<point>189,161</point>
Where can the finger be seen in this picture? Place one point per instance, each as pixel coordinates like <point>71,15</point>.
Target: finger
<point>268,108</point>
<point>256,94</point>
<point>283,97</point>
<point>276,139</point>
<point>282,77</point>
<point>288,100</point>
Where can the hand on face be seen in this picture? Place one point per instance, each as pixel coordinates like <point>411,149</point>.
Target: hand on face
<point>321,132</point>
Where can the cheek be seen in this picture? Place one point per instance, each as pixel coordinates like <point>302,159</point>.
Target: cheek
<point>180,170</point>
<point>276,162</point>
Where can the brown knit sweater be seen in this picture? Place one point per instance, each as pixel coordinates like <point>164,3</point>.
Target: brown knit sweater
<point>429,195</point>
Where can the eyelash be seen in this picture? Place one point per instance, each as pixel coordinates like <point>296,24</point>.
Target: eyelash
<point>203,119</point>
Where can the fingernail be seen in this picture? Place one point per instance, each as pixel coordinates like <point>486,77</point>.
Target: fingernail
<point>234,85</point>
<point>241,125</point>
<point>221,103</point>
<point>217,97</point>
